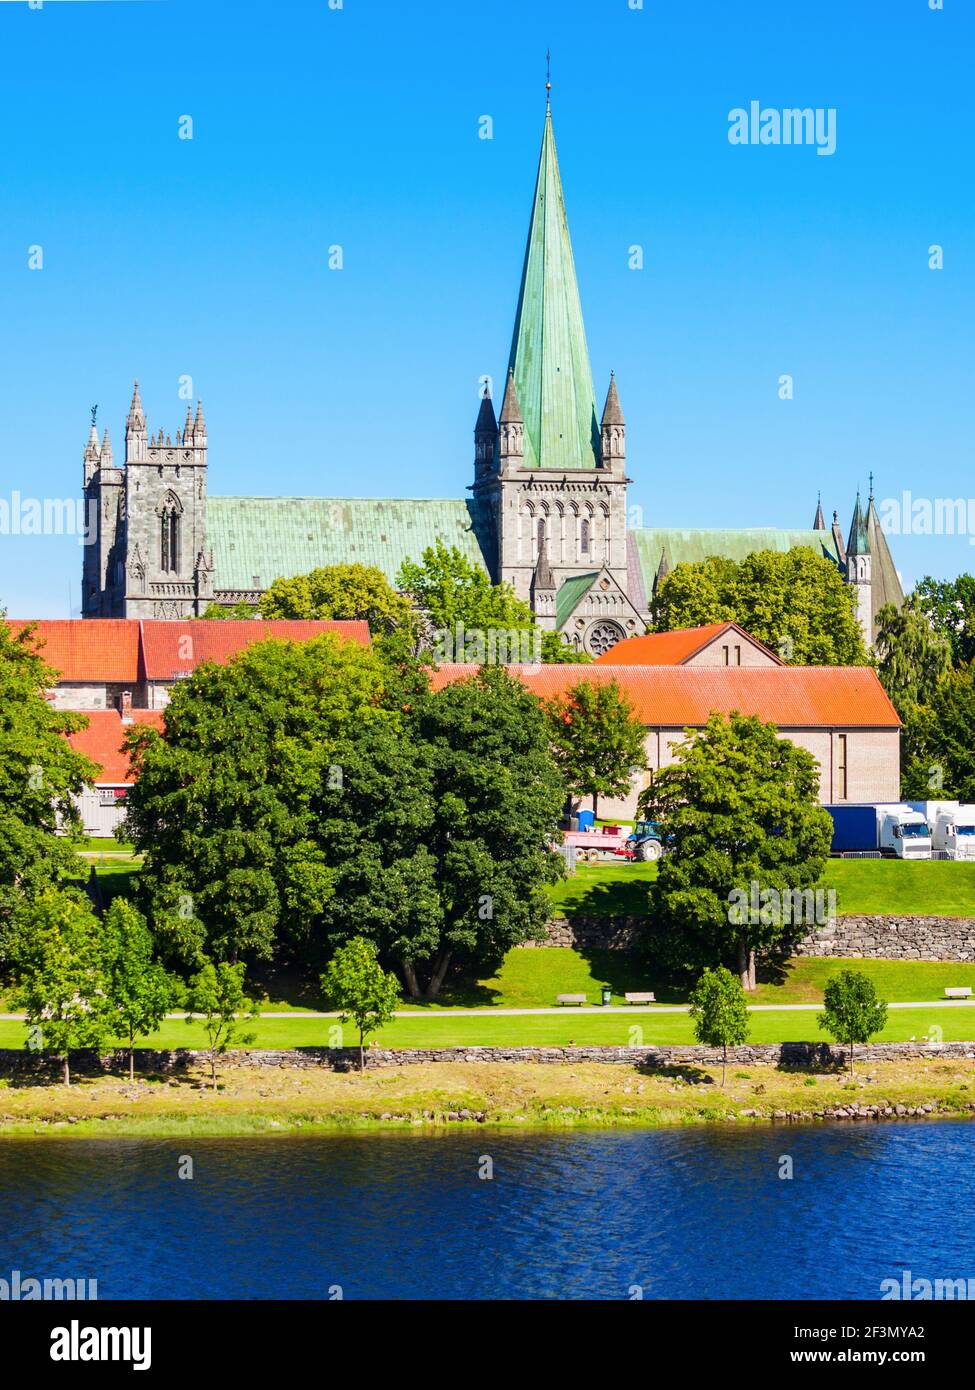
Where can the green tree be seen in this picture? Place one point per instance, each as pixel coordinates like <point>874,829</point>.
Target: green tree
<point>747,841</point>
<point>557,652</point>
<point>339,592</point>
<point>455,592</point>
<point>939,741</point>
<point>227,808</point>
<point>216,993</point>
<point>39,774</point>
<point>357,985</point>
<point>597,740</point>
<point>720,1012</point>
<point>441,832</point>
<point>912,657</point>
<point>796,602</point>
<point>236,612</point>
<point>60,974</point>
<point>950,606</point>
<point>852,1012</point>
<point>138,990</point>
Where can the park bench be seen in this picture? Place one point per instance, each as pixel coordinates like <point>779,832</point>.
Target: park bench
<point>570,999</point>
<point>958,992</point>
<point>640,997</point>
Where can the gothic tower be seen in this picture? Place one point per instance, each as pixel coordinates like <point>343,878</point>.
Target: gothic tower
<point>150,559</point>
<point>859,570</point>
<point>556,484</point>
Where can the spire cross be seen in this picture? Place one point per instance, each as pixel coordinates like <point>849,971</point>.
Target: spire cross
<point>548,77</point>
<point>94,413</point>
<point>871,483</point>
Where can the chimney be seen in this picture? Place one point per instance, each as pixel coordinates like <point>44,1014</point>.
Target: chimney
<point>125,706</point>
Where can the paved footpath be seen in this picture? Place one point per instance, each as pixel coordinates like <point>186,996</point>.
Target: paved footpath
<point>572,1010</point>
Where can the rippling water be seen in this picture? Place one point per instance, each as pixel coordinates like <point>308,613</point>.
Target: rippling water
<point>682,1214</point>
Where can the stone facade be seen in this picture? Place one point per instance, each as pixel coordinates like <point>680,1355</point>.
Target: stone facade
<point>798,1056</point>
<point>869,938</point>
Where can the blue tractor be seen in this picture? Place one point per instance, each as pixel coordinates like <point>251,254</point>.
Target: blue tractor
<point>646,841</point>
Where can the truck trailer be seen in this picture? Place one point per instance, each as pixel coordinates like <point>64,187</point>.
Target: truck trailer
<point>892,830</point>
<point>952,827</point>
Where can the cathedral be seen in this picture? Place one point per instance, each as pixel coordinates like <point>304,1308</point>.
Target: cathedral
<point>547,511</point>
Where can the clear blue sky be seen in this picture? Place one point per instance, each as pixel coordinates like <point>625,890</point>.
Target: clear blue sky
<point>359,127</point>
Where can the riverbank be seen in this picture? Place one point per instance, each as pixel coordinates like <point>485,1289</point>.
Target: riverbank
<point>445,1096</point>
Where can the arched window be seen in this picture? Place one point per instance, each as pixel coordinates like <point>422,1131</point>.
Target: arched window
<point>541,533</point>
<point>584,542</point>
<point>169,541</point>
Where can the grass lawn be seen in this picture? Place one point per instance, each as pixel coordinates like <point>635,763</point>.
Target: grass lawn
<point>618,1030</point>
<point>290,1100</point>
<point>110,846</point>
<point>931,887</point>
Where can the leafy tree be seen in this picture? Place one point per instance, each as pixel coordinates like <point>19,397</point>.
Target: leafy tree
<point>796,602</point>
<point>227,808</point>
<point>343,592</point>
<point>441,829</point>
<point>216,993</point>
<point>557,652</point>
<point>60,974</point>
<point>740,815</point>
<point>852,1012</point>
<point>912,656</point>
<point>451,590</point>
<point>597,740</point>
<point>950,606</point>
<point>357,985</point>
<point>39,774</point>
<point>939,741</point>
<point>720,1012</point>
<point>139,992</point>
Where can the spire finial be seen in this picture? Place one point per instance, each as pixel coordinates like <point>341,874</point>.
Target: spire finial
<point>548,79</point>
<point>871,485</point>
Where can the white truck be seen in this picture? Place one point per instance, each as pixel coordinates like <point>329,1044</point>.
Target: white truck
<point>896,830</point>
<point>952,827</point>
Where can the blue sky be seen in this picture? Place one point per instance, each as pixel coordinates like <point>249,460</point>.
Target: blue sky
<point>358,126</point>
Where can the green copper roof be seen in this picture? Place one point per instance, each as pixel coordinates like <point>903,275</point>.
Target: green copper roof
<point>859,541</point>
<point>692,545</point>
<point>570,595</point>
<point>278,537</point>
<point>549,357</point>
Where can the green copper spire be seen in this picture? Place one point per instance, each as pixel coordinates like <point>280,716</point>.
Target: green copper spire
<point>549,357</point>
<point>859,542</point>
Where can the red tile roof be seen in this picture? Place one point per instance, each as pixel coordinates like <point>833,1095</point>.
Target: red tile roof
<point>793,697</point>
<point>127,650</point>
<point>172,648</point>
<point>87,649</point>
<point>102,742</point>
<point>672,648</point>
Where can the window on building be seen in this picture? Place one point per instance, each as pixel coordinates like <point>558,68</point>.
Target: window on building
<point>584,542</point>
<point>841,767</point>
<point>169,542</point>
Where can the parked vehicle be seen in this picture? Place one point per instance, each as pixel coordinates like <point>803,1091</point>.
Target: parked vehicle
<point>646,841</point>
<point>601,842</point>
<point>894,830</point>
<point>952,827</point>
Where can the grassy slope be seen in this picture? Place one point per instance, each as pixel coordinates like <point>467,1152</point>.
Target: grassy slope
<point>256,1102</point>
<point>489,1029</point>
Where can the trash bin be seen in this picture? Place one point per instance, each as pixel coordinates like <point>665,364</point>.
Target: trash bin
<point>607,996</point>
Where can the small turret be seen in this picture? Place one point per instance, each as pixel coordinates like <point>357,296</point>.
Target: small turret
<point>485,435</point>
<point>199,428</point>
<point>106,457</point>
<point>819,524</point>
<point>613,428</point>
<point>136,440</point>
<point>511,433</point>
<point>92,456</point>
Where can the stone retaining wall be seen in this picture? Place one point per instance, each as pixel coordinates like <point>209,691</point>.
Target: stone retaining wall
<point>798,1056</point>
<point>877,937</point>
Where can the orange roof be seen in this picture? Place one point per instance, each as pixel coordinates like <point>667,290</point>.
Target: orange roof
<point>102,742</point>
<point>793,697</point>
<point>172,648</point>
<point>672,648</point>
<point>87,649</point>
<point>127,650</point>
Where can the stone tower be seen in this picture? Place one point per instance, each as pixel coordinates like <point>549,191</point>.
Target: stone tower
<point>149,559</point>
<point>556,482</point>
<point>859,570</point>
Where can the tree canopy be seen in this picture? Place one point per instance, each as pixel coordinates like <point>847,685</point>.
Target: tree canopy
<point>39,772</point>
<point>740,817</point>
<point>950,606</point>
<point>597,740</point>
<point>343,592</point>
<point>796,602</point>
